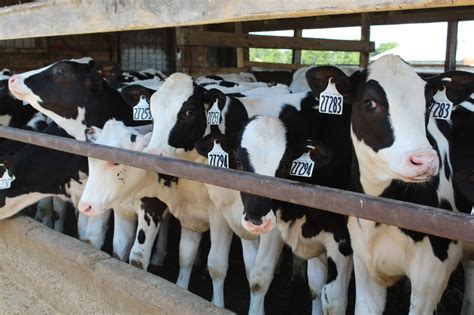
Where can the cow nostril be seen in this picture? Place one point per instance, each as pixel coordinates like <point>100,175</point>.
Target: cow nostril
<point>12,79</point>
<point>416,161</point>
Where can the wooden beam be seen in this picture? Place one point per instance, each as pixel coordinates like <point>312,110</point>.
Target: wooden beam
<point>271,65</point>
<point>63,17</point>
<point>451,46</point>
<point>196,72</point>
<point>364,36</point>
<point>221,39</point>
<point>296,58</point>
<point>376,18</point>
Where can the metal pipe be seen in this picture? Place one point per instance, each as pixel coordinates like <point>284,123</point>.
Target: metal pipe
<point>420,218</point>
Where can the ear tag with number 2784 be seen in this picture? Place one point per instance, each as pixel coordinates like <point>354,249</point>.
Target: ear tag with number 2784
<point>218,157</point>
<point>441,107</point>
<point>303,166</point>
<point>330,100</point>
<point>141,111</point>
<point>214,115</point>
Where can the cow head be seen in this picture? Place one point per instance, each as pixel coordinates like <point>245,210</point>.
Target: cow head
<point>179,115</point>
<point>459,85</point>
<point>111,184</point>
<point>132,93</point>
<point>60,90</point>
<point>388,124</point>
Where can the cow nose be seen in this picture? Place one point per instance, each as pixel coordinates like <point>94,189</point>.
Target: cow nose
<point>423,159</point>
<point>254,221</point>
<point>84,207</point>
<point>12,80</point>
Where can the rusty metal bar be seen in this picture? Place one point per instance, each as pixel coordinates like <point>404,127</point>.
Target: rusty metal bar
<point>403,214</point>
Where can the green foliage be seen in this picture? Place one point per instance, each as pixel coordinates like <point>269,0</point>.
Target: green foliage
<point>313,57</point>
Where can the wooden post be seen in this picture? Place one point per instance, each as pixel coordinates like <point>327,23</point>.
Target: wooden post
<point>364,36</point>
<point>451,46</point>
<point>297,52</point>
<point>242,53</point>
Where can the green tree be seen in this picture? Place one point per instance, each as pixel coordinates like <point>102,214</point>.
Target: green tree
<point>383,47</point>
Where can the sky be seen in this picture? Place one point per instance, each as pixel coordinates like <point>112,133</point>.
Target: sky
<point>425,41</point>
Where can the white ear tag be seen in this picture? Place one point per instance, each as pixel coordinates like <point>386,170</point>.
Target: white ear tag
<point>214,114</point>
<point>218,157</point>
<point>141,111</point>
<point>6,180</point>
<point>302,166</point>
<point>330,100</point>
<point>441,107</point>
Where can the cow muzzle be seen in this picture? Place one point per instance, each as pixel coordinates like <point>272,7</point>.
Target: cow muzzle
<point>259,226</point>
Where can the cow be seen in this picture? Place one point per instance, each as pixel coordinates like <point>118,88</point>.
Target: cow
<point>180,109</point>
<point>267,146</point>
<point>187,200</point>
<point>393,158</point>
<point>243,77</point>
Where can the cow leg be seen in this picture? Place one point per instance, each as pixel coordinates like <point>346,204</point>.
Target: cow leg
<point>269,251</point>
<point>188,246</point>
<point>124,232</point>
<point>82,220</point>
<point>96,229</point>
<point>161,245</point>
<point>59,213</point>
<point>44,209</point>
<point>148,226</point>
<point>468,299</point>
<point>317,274</point>
<point>218,258</point>
<point>339,271</point>
<point>249,251</point>
<point>370,295</point>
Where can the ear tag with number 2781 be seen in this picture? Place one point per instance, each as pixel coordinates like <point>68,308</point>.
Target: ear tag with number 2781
<point>441,107</point>
<point>303,166</point>
<point>218,157</point>
<point>141,111</point>
<point>214,114</point>
<point>330,100</point>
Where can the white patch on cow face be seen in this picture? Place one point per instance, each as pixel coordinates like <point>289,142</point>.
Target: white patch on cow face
<point>405,93</point>
<point>110,184</point>
<point>5,120</point>
<point>37,118</point>
<point>264,138</point>
<point>165,105</point>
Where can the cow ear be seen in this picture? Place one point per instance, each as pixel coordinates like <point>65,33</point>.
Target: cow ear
<point>92,133</point>
<point>318,79</point>
<point>132,93</point>
<point>205,145</point>
<point>213,95</point>
<point>465,181</point>
<point>320,153</point>
<point>459,85</point>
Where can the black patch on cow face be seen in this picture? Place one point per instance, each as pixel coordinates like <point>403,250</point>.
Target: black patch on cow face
<point>235,116</point>
<point>256,207</point>
<point>370,117</point>
<point>332,271</point>
<point>167,179</point>
<point>447,169</point>
<point>133,137</point>
<point>3,88</point>
<point>191,121</point>
<point>132,93</point>
<point>63,86</point>
<point>227,84</point>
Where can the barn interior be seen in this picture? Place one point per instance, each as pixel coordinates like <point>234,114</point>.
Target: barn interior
<point>210,40</point>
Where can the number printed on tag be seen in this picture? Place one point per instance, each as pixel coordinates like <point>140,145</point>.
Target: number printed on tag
<point>214,114</point>
<point>330,100</point>
<point>141,111</point>
<point>302,166</point>
<point>218,157</point>
<point>441,107</point>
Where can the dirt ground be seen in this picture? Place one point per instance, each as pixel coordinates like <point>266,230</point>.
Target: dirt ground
<point>284,296</point>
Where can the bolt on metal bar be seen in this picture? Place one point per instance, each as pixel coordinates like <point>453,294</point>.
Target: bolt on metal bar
<point>419,218</point>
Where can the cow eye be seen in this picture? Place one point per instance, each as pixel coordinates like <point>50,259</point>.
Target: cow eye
<point>370,105</point>
<point>60,71</point>
<point>189,113</point>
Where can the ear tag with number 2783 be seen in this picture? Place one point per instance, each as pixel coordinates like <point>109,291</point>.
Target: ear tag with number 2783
<point>218,157</point>
<point>441,107</point>
<point>214,114</point>
<point>303,166</point>
<point>141,111</point>
<point>330,100</point>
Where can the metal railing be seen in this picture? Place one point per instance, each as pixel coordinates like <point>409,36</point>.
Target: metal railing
<point>415,217</point>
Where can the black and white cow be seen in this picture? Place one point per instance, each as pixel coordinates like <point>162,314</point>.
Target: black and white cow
<point>180,109</point>
<point>394,158</point>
